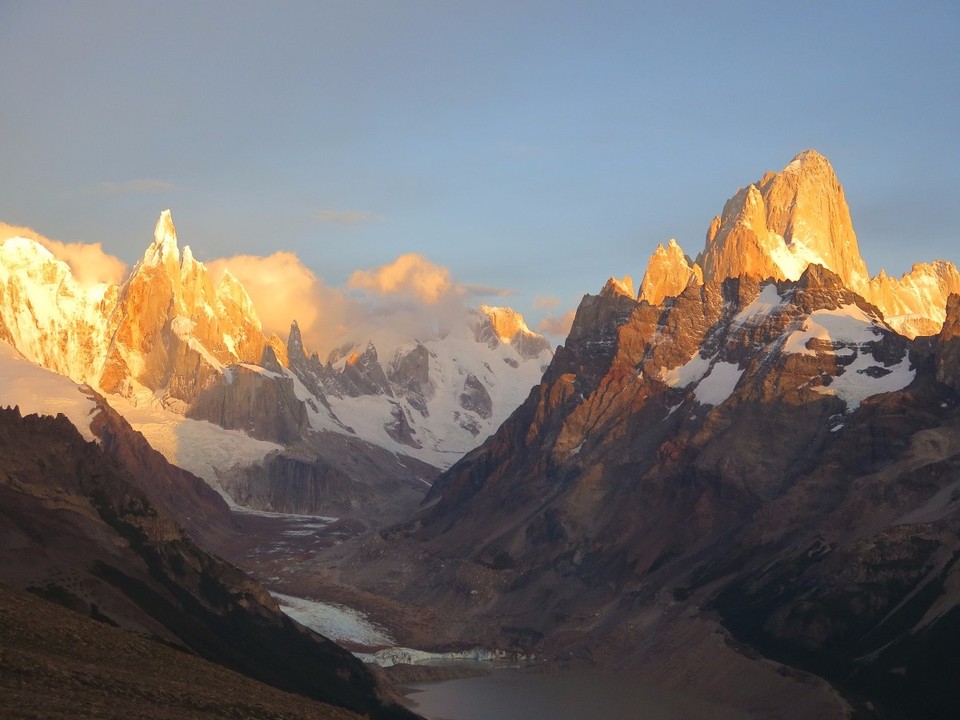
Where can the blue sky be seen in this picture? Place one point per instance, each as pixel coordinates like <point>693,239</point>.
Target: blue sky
<point>532,147</point>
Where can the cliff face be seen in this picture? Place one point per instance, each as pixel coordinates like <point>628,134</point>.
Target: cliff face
<point>173,331</point>
<point>777,226</point>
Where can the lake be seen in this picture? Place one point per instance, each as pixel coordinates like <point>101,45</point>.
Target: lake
<point>568,695</point>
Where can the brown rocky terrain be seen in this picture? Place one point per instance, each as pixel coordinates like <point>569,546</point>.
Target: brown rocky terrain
<point>75,528</point>
<point>56,664</point>
<point>747,475</point>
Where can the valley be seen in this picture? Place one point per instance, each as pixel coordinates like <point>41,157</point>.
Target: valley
<point>738,485</point>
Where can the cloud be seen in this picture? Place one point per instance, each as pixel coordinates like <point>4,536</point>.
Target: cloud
<point>348,217</point>
<point>557,326</point>
<point>128,187</point>
<point>546,302</point>
<point>283,290</point>
<point>412,275</point>
<point>88,262</point>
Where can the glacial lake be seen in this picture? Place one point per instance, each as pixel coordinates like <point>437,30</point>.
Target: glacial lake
<point>570,695</point>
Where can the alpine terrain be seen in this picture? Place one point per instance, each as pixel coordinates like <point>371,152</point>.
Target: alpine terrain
<point>742,484</point>
<point>183,357</point>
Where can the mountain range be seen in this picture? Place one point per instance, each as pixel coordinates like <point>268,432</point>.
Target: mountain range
<point>171,344</point>
<point>740,482</point>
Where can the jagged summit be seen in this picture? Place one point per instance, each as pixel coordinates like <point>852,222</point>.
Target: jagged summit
<point>668,273</point>
<point>163,249</point>
<point>784,222</point>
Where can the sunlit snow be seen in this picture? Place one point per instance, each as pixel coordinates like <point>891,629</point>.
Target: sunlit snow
<point>37,390</point>
<point>847,325</point>
<point>719,384</point>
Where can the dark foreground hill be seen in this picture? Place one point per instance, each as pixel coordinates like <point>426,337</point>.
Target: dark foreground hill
<point>56,664</point>
<point>75,529</point>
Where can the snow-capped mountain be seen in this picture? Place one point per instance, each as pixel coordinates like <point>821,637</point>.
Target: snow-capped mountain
<point>778,226</point>
<point>732,472</point>
<point>432,398</point>
<point>170,339</point>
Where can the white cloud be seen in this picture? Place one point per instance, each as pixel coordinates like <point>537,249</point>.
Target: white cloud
<point>412,275</point>
<point>88,262</point>
<point>283,290</point>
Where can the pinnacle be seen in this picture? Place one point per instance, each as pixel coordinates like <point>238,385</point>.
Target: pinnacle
<point>164,246</point>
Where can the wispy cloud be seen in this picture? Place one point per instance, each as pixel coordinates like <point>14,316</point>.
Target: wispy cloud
<point>128,187</point>
<point>557,326</point>
<point>348,217</point>
<point>546,302</point>
<point>410,274</point>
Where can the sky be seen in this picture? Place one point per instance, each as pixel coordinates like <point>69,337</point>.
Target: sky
<point>522,152</point>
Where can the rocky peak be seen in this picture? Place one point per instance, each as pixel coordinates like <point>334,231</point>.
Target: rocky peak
<point>668,273</point>
<point>295,352</point>
<point>505,325</point>
<point>617,286</point>
<point>163,250</point>
<point>784,222</point>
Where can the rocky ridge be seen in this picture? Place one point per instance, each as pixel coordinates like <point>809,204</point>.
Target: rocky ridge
<point>170,337</point>
<point>748,482</point>
<point>777,226</point>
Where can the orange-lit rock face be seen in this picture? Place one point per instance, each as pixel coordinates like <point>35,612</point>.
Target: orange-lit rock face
<point>668,273</point>
<point>786,221</point>
<point>173,329</point>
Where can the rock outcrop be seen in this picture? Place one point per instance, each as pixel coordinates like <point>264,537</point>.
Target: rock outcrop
<point>668,274</point>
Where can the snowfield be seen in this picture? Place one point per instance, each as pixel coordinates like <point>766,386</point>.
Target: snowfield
<point>43,392</point>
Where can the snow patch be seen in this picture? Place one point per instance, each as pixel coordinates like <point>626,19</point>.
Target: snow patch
<point>847,325</point>
<point>719,384</point>
<point>336,622</point>
<point>687,374</point>
<point>766,302</point>
<point>43,392</point>
<point>859,380</point>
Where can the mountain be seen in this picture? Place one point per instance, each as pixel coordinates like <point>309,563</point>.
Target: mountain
<point>435,397</point>
<point>745,491</point>
<point>778,226</point>
<point>78,530</point>
<point>170,338</point>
